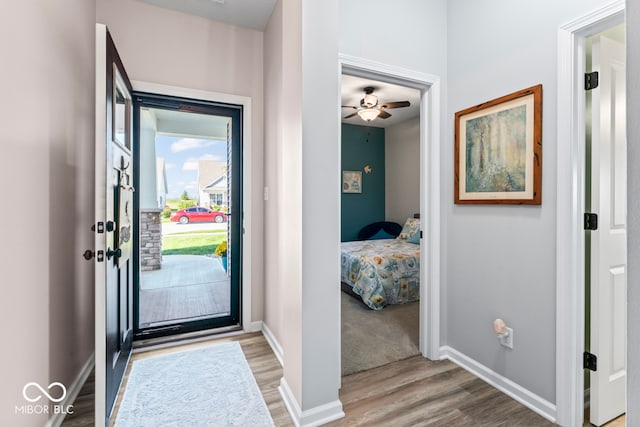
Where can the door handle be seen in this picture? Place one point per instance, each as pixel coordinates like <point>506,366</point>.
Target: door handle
<point>114,253</point>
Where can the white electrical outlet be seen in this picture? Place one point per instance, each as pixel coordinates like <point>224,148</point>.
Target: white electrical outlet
<point>266,193</point>
<point>507,339</point>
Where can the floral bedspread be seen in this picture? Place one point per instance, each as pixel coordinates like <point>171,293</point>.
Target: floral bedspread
<point>382,271</point>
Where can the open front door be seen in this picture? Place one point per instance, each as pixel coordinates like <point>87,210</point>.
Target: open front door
<point>114,225</point>
<point>609,241</point>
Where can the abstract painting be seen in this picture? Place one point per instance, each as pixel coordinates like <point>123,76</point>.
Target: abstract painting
<point>498,150</point>
<point>351,182</point>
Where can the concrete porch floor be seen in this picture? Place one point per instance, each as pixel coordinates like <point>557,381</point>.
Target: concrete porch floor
<point>187,287</point>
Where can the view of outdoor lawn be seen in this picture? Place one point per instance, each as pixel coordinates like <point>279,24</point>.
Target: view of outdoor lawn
<point>189,239</point>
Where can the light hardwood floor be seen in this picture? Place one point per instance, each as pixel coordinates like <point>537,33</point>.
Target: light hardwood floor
<point>411,392</point>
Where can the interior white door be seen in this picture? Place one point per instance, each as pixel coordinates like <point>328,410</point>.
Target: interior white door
<point>113,226</point>
<point>609,242</point>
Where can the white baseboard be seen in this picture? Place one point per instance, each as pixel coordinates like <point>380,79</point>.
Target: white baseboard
<point>73,391</point>
<point>253,327</point>
<point>505,385</point>
<point>273,342</point>
<point>313,417</point>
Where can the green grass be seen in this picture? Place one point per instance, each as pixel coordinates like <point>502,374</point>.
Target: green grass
<point>191,245</point>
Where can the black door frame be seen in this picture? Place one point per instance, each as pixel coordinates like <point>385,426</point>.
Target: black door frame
<point>189,105</point>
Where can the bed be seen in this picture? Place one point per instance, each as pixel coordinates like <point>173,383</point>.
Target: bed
<point>382,272</point>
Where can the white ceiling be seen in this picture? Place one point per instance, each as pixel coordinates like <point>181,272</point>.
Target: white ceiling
<point>186,124</point>
<point>353,91</point>
<point>243,13</point>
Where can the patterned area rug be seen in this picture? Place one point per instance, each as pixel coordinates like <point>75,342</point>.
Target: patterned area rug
<point>210,386</point>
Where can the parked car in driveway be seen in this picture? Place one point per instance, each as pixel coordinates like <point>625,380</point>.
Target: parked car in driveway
<point>197,214</point>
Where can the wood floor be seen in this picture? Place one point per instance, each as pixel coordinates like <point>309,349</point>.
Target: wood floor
<point>411,392</point>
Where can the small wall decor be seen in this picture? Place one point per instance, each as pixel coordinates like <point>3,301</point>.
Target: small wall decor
<point>498,150</point>
<point>351,182</point>
<point>367,169</point>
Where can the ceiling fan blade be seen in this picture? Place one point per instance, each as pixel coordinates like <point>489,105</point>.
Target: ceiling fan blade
<point>350,115</point>
<point>384,115</point>
<point>349,106</point>
<point>398,104</point>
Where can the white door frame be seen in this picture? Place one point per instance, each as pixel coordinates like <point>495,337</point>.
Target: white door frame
<point>429,87</point>
<point>139,86</point>
<point>570,243</point>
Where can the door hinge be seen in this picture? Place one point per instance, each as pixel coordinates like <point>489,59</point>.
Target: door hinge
<point>591,80</point>
<point>421,234</point>
<point>589,361</point>
<point>590,221</point>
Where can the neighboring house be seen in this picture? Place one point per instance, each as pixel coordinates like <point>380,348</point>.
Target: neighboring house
<point>161,183</point>
<point>210,173</point>
<point>214,194</point>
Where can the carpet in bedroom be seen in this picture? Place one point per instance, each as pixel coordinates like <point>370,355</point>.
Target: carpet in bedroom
<point>373,338</point>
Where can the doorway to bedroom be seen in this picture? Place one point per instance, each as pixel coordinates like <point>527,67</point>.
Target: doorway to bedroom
<point>380,223</point>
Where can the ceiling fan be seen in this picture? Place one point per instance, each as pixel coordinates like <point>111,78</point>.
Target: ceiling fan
<point>369,107</point>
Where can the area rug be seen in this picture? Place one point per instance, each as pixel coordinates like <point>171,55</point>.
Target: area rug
<point>210,386</point>
<point>373,338</point>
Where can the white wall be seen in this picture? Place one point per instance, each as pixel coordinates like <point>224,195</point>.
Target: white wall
<point>171,48</point>
<point>501,259</point>
<point>47,82</point>
<point>633,206</point>
<point>320,203</point>
<point>402,170</point>
<point>302,157</point>
<point>148,163</point>
<point>273,152</point>
<point>412,33</point>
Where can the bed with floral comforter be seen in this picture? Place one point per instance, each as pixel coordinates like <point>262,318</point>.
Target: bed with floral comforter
<point>382,271</point>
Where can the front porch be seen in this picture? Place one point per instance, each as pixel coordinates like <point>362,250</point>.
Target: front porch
<point>187,287</point>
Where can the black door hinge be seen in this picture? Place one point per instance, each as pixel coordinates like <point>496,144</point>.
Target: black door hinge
<point>590,221</point>
<point>591,80</point>
<point>421,234</point>
<point>589,361</point>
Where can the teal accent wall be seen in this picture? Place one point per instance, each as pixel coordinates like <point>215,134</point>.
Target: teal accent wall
<point>362,146</point>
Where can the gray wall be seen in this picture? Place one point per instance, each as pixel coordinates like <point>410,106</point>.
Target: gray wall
<point>47,174</point>
<point>402,163</point>
<point>501,259</point>
<point>633,147</point>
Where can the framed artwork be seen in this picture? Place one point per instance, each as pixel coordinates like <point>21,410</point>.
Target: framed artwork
<point>351,182</point>
<point>498,150</point>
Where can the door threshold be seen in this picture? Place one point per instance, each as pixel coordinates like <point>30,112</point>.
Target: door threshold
<point>186,338</point>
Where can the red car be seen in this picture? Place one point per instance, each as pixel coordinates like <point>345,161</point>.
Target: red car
<point>197,214</point>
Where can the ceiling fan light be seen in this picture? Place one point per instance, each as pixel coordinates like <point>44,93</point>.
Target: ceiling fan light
<point>370,100</point>
<point>369,114</point>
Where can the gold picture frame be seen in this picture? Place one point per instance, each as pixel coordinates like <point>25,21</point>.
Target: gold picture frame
<point>498,150</point>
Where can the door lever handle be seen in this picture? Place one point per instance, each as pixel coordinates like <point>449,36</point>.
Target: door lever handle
<point>114,253</point>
